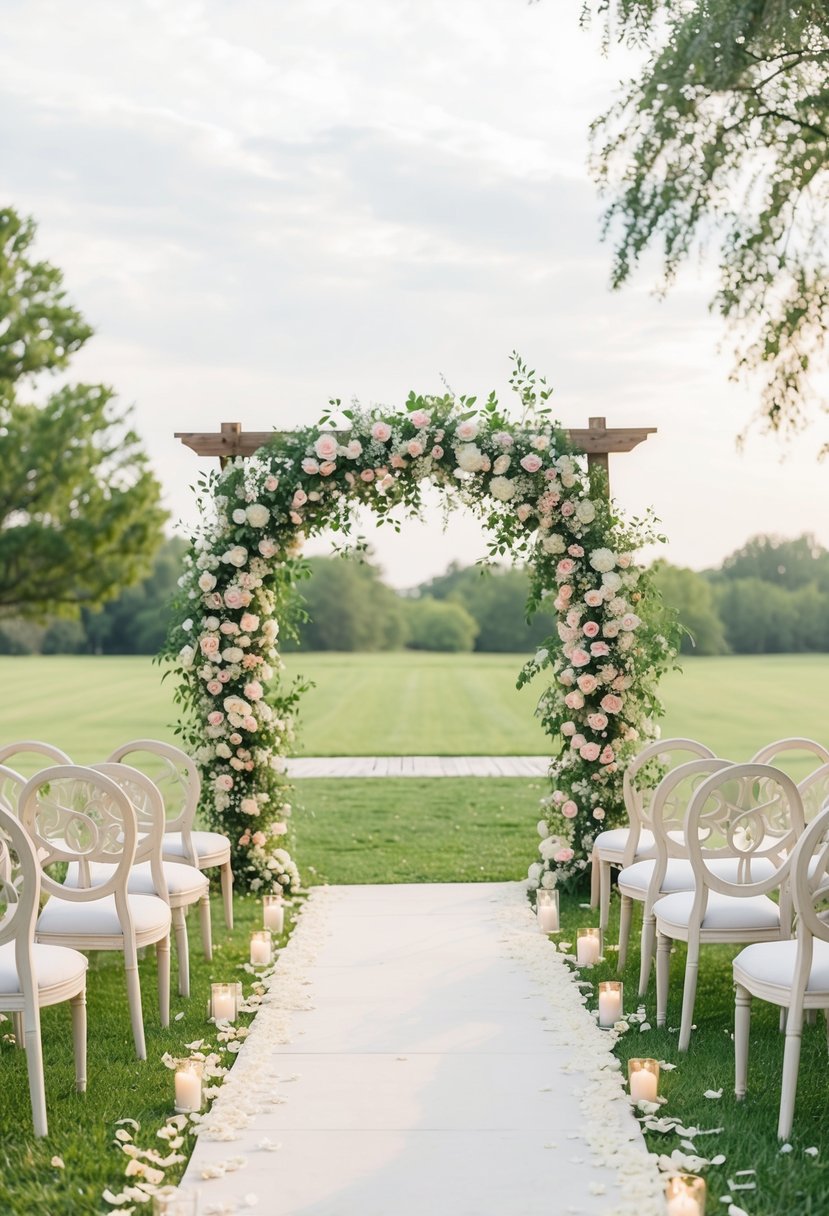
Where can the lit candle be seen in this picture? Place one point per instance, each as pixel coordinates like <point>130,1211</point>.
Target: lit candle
<point>643,1076</point>
<point>260,948</point>
<point>188,1086</point>
<point>610,1002</point>
<point>546,910</point>
<point>274,913</point>
<point>223,1002</point>
<point>588,947</point>
<point>686,1195</point>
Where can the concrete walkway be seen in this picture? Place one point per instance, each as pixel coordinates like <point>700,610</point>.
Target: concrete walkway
<point>423,1050</point>
<point>418,766</point>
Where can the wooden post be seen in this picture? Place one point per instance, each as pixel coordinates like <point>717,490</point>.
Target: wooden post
<point>599,459</point>
<point>232,431</point>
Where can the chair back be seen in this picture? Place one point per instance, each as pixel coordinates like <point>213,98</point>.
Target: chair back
<point>814,791</point>
<point>751,813</point>
<point>19,899</point>
<point>174,774</point>
<point>670,805</point>
<point>31,755</point>
<point>795,755</point>
<point>75,814</point>
<point>642,777</point>
<point>810,882</point>
<point>11,783</point>
<point>149,817</point>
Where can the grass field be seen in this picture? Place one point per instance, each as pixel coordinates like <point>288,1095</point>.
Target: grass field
<point>410,704</point>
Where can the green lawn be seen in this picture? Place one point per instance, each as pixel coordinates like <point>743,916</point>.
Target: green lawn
<point>409,703</point>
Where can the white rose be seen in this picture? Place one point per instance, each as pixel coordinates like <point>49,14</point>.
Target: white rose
<point>618,606</point>
<point>239,516</point>
<point>602,559</point>
<point>548,881</point>
<point>233,654</point>
<point>207,581</point>
<point>186,656</point>
<point>237,556</point>
<point>257,515</point>
<point>543,829</point>
<point>534,872</point>
<point>611,581</point>
<point>501,465</point>
<point>568,480</point>
<point>585,511</point>
<point>626,641</point>
<point>502,488</point>
<point>470,458</point>
<point>553,543</point>
<point>630,621</point>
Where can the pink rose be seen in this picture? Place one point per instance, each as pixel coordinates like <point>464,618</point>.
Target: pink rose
<point>271,483</point>
<point>587,683</point>
<point>437,452</point>
<point>327,468</point>
<point>531,463</point>
<point>574,700</point>
<point>579,657</point>
<point>420,419</point>
<point>630,621</point>
<point>234,598</point>
<point>249,622</point>
<point>228,627</point>
<point>567,509</point>
<point>523,512</point>
<point>397,462</point>
<point>575,551</point>
<point>569,810</point>
<point>598,813</point>
<point>353,449</point>
<point>590,629</point>
<point>224,677</point>
<point>596,721</point>
<point>214,687</point>
<point>235,739</point>
<point>565,592</point>
<point>593,599</point>
<point>568,728</point>
<point>608,756</point>
<point>599,649</point>
<point>381,431</point>
<point>209,646</point>
<point>414,448</point>
<point>367,475</point>
<point>310,466</point>
<point>279,829</point>
<point>254,691</point>
<point>467,430</point>
<point>326,447</point>
<point>611,704</point>
<point>267,547</point>
<point>590,751</point>
<point>224,783</point>
<point>565,568</point>
<point>563,855</point>
<point>259,838</point>
<point>215,717</point>
<point>577,741</point>
<point>295,517</point>
<point>250,723</point>
<point>299,499</point>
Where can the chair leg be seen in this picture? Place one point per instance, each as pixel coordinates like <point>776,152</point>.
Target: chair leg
<point>624,930</point>
<point>594,880</point>
<point>182,951</point>
<point>689,995</point>
<point>162,954</point>
<point>604,897</point>
<point>646,950</point>
<point>791,1066</point>
<point>742,1029</point>
<point>206,927</point>
<point>811,1017</point>
<point>227,893</point>
<point>17,1030</point>
<point>134,998</point>
<point>34,1066</point>
<point>78,1007</point>
<point>663,969</point>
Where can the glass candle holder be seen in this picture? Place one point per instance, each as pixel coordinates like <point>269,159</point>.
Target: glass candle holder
<point>261,948</point>
<point>686,1195</point>
<point>170,1201</point>
<point>588,947</point>
<point>643,1079</point>
<point>273,912</point>
<point>546,910</point>
<point>188,1082</point>
<point>223,1002</point>
<point>611,996</point>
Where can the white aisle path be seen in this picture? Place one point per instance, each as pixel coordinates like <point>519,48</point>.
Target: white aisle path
<point>418,766</point>
<point>423,1052</point>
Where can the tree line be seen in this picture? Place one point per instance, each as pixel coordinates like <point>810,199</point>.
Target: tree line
<point>771,596</point>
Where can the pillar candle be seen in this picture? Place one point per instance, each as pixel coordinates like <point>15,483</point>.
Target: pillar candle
<point>610,1003</point>
<point>588,947</point>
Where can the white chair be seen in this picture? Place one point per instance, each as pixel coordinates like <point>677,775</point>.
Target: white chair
<point>751,814</point>
<point>32,975</point>
<point>792,749</point>
<point>177,776</point>
<point>791,974</point>
<point>670,871</point>
<point>179,885</point>
<point>75,814</point>
<point>814,791</point>
<point>623,846</point>
<point>26,750</point>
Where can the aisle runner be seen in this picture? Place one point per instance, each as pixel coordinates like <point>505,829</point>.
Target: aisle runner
<point>423,1050</point>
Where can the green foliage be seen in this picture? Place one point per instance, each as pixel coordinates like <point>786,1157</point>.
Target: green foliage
<point>496,596</point>
<point>80,512</point>
<point>690,595</point>
<point>348,607</point>
<point>64,637</point>
<point>440,625</point>
<point>724,136</point>
<point>786,563</point>
<point>136,622</point>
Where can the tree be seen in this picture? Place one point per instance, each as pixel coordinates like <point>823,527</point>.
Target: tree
<point>758,617</point>
<point>440,625</point>
<point>80,513</point>
<point>724,136</point>
<point>136,622</point>
<point>349,608</point>
<point>691,596</point>
<point>788,563</point>
<point>496,597</point>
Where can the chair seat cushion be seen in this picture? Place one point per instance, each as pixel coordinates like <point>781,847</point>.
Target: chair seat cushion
<point>773,963</point>
<point>181,879</point>
<point>634,880</point>
<point>614,841</point>
<point>54,966</point>
<point>63,917</point>
<point>207,844</point>
<point>723,912</point>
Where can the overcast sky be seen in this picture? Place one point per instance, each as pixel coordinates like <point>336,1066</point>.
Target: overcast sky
<point>263,205</point>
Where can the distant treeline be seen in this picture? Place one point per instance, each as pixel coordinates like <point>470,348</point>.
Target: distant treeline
<point>770,596</point>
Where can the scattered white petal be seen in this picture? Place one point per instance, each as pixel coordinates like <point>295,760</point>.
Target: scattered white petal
<point>812,1152</point>
<point>785,1148</point>
<point>712,1093</point>
<point>58,1163</point>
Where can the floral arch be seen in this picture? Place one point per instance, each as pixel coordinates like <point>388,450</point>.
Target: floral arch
<point>538,503</point>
